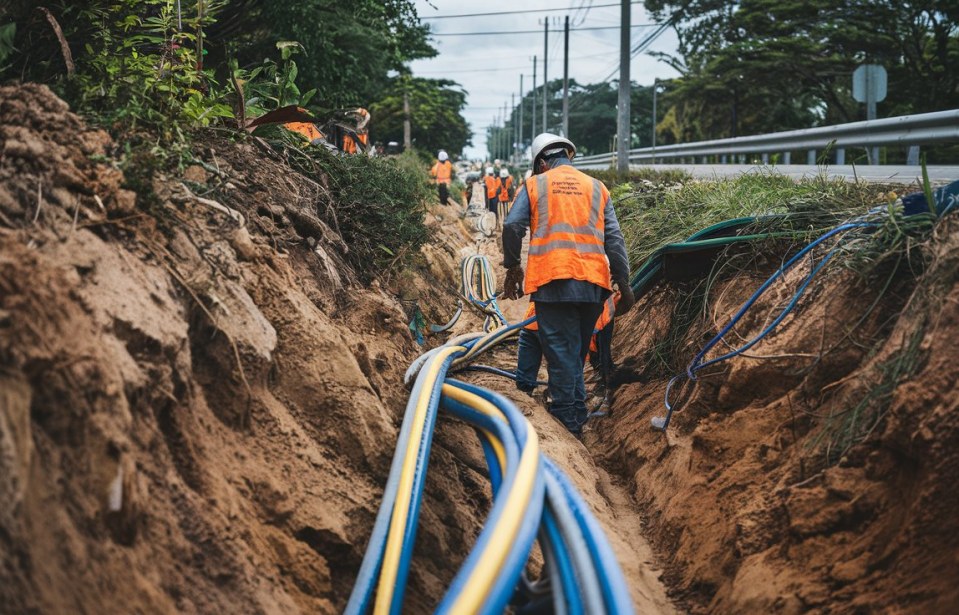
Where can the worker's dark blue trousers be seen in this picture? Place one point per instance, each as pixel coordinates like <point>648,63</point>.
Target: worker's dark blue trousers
<point>528,359</point>
<point>564,332</point>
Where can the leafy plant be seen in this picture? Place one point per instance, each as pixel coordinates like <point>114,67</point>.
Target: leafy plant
<point>7,33</point>
<point>142,65</point>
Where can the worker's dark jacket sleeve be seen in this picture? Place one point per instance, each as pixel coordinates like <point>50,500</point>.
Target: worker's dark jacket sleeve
<point>615,245</point>
<point>514,229</point>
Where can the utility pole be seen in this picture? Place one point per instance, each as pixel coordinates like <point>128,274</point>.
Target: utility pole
<point>566,78</point>
<point>407,136</point>
<point>513,134</point>
<point>519,139</point>
<point>505,136</point>
<point>491,142</point>
<point>622,125</point>
<point>533,135</point>
<point>655,87</point>
<point>545,80</point>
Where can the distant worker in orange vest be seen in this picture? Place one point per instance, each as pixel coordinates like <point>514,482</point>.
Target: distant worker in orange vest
<point>442,171</point>
<point>362,117</point>
<point>504,194</point>
<point>490,181</point>
<point>576,255</point>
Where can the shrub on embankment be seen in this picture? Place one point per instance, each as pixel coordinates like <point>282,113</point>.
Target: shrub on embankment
<point>377,204</point>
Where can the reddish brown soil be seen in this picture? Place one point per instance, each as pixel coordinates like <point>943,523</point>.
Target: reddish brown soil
<point>742,507</point>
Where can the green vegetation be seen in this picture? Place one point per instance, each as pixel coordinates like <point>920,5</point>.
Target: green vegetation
<point>160,75</point>
<point>378,206</point>
<point>656,214</point>
<point>763,65</point>
<point>173,67</point>
<point>893,264</point>
<point>622,184</point>
<point>435,114</point>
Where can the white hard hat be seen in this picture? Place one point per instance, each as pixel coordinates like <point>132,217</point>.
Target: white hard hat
<point>503,173</point>
<point>489,170</point>
<point>443,156</point>
<point>547,143</point>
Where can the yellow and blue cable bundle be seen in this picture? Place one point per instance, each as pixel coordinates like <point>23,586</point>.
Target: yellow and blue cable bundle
<point>531,498</point>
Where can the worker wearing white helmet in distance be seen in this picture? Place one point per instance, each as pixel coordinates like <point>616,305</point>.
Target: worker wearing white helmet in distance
<point>491,185</point>
<point>442,171</point>
<point>504,193</point>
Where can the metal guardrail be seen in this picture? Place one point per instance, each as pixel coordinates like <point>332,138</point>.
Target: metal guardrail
<point>907,130</point>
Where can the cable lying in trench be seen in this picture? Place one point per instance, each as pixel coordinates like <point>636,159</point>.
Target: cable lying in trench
<point>531,498</point>
<point>478,286</point>
<point>913,205</point>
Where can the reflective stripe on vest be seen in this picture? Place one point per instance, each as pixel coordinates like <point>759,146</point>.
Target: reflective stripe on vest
<point>568,224</point>
<point>609,310</point>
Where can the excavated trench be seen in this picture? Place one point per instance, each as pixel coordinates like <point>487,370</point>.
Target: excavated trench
<point>198,416</point>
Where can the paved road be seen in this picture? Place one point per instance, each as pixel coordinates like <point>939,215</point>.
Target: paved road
<point>885,174</point>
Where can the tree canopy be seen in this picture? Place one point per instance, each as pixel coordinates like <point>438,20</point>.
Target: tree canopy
<point>752,66</point>
<point>436,118</point>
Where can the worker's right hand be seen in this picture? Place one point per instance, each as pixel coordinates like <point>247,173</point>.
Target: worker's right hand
<point>626,298</point>
<point>513,286</point>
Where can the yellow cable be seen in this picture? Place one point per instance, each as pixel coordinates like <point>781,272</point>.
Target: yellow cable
<point>391,556</point>
<point>497,449</point>
<point>478,586</point>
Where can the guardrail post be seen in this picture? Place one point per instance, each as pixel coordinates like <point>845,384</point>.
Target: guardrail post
<point>840,155</point>
<point>787,157</point>
<point>722,159</point>
<point>912,157</point>
<point>811,157</point>
<point>765,158</point>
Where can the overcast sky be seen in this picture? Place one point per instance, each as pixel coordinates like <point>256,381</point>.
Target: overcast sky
<point>489,67</point>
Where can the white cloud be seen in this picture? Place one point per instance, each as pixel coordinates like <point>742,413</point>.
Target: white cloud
<point>488,67</point>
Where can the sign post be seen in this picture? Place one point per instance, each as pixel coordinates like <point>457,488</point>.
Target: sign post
<point>869,86</point>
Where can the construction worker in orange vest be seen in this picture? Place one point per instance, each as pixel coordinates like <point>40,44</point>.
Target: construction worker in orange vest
<point>601,354</point>
<point>490,181</point>
<point>362,118</point>
<point>442,172</point>
<point>504,194</point>
<point>576,256</point>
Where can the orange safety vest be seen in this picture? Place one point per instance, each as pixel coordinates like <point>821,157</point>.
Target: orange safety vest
<point>504,186</point>
<point>568,229</point>
<point>490,182</point>
<point>305,129</point>
<point>442,171</point>
<point>530,312</point>
<point>349,145</point>
<point>609,310</point>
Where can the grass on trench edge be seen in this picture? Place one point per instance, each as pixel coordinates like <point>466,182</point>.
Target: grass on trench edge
<point>654,214</point>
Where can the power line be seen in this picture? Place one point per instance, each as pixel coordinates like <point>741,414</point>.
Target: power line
<point>493,33</point>
<point>498,13</point>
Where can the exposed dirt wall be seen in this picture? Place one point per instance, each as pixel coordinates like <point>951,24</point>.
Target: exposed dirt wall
<point>742,505</point>
<point>195,416</point>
